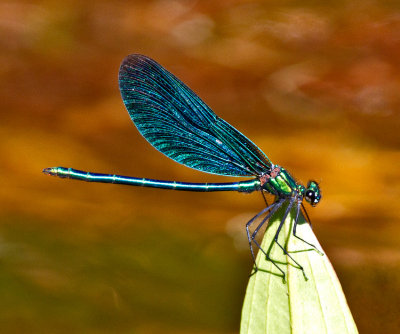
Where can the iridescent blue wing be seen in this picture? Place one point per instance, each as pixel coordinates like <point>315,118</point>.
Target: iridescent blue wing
<point>179,124</point>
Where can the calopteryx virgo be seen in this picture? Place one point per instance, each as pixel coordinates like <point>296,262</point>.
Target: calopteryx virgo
<point>179,124</point>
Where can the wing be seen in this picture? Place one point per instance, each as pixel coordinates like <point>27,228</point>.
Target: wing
<point>179,124</point>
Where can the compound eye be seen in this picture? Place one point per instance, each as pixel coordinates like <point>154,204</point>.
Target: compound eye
<point>310,196</point>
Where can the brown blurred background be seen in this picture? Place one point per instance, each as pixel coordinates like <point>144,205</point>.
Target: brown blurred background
<point>315,84</point>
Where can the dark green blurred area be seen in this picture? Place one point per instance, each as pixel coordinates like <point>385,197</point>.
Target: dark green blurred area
<point>314,84</point>
<point>134,280</point>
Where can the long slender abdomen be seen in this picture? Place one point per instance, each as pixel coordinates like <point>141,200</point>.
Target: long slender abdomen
<point>70,173</point>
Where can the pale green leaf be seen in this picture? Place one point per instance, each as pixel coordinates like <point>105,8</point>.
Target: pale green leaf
<point>316,305</point>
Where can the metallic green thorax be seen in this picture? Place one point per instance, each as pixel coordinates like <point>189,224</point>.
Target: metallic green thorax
<point>283,183</point>
<point>280,183</point>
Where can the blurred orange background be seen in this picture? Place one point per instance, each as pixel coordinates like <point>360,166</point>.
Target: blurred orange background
<point>314,84</point>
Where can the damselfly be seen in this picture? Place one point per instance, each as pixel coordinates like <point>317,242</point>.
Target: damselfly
<point>179,124</point>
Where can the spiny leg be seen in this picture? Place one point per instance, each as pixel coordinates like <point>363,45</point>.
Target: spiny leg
<point>265,200</point>
<point>294,231</point>
<point>289,207</point>
<point>273,210</point>
<point>248,224</point>
<point>278,204</point>
<point>306,214</point>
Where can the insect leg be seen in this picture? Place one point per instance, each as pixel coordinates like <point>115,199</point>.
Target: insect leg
<point>306,214</point>
<point>278,204</point>
<point>248,224</point>
<point>289,207</point>
<point>265,200</point>
<point>294,230</point>
<point>273,210</point>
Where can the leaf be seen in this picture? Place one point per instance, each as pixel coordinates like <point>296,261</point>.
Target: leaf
<point>316,305</point>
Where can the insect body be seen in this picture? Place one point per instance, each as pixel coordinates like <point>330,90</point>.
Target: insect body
<point>179,124</point>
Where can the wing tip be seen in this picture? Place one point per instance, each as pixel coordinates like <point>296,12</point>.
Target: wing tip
<point>135,60</point>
